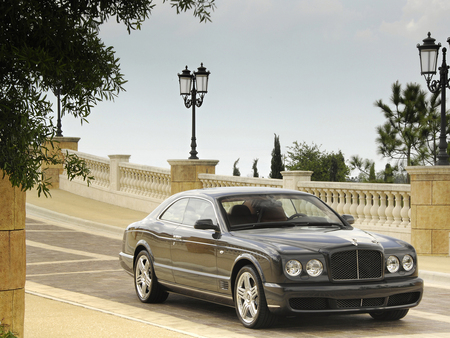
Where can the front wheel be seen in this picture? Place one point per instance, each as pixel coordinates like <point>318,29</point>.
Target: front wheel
<point>147,287</point>
<point>389,315</point>
<point>250,301</point>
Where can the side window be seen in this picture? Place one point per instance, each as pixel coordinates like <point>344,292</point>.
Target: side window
<point>198,209</point>
<point>176,211</point>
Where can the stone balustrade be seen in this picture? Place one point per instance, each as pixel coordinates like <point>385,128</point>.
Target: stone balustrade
<point>144,181</point>
<point>99,166</point>
<point>118,182</point>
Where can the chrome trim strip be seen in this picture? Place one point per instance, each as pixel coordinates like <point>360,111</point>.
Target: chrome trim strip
<point>184,287</point>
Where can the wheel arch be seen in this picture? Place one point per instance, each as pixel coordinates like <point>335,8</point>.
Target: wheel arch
<point>240,262</point>
<point>142,245</point>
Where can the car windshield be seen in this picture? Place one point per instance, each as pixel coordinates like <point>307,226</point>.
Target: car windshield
<point>277,210</point>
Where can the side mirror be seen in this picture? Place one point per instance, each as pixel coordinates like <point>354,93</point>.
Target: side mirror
<point>206,224</point>
<point>349,219</point>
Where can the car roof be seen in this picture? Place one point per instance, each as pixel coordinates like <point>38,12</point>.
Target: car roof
<point>227,191</point>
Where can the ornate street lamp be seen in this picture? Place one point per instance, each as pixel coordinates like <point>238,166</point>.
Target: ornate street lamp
<point>428,53</point>
<point>190,86</point>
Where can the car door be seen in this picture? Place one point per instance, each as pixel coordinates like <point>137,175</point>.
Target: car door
<point>194,251</point>
<point>161,240</point>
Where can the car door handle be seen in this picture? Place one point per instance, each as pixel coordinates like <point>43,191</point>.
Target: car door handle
<point>177,237</point>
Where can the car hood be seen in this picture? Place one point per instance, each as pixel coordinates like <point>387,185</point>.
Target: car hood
<point>315,239</point>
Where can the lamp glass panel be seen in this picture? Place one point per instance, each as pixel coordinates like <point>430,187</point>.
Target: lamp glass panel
<point>202,83</point>
<point>428,61</point>
<point>185,85</point>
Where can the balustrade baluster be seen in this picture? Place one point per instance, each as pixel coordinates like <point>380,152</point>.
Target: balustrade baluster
<point>148,184</point>
<point>405,210</point>
<point>334,199</point>
<point>389,209</point>
<point>122,179</point>
<point>397,212</point>
<point>160,186</point>
<point>347,200</point>
<point>128,184</point>
<point>354,204</point>
<point>375,207</point>
<point>340,201</point>
<point>382,209</point>
<point>361,205</point>
<point>367,207</point>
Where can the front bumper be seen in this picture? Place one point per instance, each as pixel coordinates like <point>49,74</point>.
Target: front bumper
<point>343,298</point>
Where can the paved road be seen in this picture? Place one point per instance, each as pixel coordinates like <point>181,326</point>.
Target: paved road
<point>80,267</point>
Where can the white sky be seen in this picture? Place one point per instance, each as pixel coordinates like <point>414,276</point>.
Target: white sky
<point>307,70</point>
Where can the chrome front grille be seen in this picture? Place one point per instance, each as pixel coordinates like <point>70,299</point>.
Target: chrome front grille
<point>356,265</point>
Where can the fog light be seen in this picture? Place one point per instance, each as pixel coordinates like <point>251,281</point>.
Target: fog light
<point>392,264</point>
<point>293,268</point>
<point>407,263</point>
<point>314,267</point>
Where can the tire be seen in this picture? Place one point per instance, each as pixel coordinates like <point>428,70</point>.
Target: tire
<point>250,301</point>
<point>389,315</point>
<point>147,287</point>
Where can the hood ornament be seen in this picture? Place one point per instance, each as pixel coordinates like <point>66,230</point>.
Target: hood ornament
<point>354,241</point>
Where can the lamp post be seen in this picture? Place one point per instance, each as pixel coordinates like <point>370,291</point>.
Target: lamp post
<point>190,86</point>
<point>57,92</point>
<point>428,53</point>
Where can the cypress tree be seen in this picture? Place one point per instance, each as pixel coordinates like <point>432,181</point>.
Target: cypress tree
<point>277,165</point>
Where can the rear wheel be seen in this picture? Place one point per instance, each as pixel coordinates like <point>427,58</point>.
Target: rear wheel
<point>249,300</point>
<point>147,287</point>
<point>389,315</point>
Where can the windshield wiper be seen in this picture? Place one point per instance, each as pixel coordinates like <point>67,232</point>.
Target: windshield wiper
<point>300,224</point>
<point>265,225</point>
<point>327,224</point>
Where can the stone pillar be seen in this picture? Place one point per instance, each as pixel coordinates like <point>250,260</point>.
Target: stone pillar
<point>291,178</point>
<point>12,256</point>
<point>430,209</point>
<point>114,172</point>
<point>184,173</point>
<point>52,171</point>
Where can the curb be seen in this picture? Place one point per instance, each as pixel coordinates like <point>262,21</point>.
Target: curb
<point>435,277</point>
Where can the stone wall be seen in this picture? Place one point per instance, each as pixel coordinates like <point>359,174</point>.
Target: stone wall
<point>430,209</point>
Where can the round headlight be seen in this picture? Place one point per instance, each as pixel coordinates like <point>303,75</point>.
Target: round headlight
<point>407,263</point>
<point>293,268</point>
<point>314,267</point>
<point>392,264</point>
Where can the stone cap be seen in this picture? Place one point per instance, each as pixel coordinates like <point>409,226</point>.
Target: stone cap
<point>193,162</point>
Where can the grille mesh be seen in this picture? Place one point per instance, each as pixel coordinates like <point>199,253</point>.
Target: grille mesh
<point>357,303</point>
<point>308,303</point>
<point>311,304</point>
<point>403,298</point>
<point>356,265</point>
